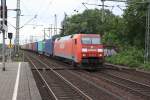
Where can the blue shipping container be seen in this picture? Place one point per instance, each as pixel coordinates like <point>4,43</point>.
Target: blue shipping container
<point>48,47</point>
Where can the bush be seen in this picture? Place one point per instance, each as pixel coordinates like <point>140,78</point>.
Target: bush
<point>146,66</point>
<point>132,57</point>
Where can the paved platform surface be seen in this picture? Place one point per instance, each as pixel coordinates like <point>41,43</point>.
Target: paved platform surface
<point>17,83</point>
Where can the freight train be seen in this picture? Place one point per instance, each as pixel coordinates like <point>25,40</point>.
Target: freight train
<point>82,50</point>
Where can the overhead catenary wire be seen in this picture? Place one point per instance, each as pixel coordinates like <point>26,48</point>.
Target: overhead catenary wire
<point>38,13</point>
<point>39,9</point>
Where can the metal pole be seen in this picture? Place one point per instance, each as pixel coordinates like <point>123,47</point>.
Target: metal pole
<point>146,39</point>
<point>147,36</point>
<point>148,31</point>
<point>103,12</point>
<point>3,51</point>
<point>55,27</point>
<point>10,55</point>
<point>10,49</point>
<point>51,30</point>
<point>17,27</point>
<point>3,2</point>
<point>44,34</point>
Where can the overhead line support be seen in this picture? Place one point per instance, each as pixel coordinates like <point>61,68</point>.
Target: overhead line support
<point>4,29</point>
<point>17,27</point>
<point>147,36</point>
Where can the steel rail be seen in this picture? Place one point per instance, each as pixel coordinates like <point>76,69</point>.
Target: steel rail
<point>131,81</point>
<point>138,92</point>
<point>65,80</point>
<point>126,69</point>
<point>96,85</point>
<point>42,78</point>
<point>142,84</point>
<point>104,90</point>
<point>121,85</point>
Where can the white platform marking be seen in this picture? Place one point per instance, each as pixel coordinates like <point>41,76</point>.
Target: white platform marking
<point>17,83</point>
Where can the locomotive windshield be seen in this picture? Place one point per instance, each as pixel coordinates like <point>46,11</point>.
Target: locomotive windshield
<point>90,40</point>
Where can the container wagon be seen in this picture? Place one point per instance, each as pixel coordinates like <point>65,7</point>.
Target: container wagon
<point>41,47</point>
<point>35,46</point>
<point>48,50</point>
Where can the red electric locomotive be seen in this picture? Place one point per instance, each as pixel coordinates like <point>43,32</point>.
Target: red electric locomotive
<point>80,49</point>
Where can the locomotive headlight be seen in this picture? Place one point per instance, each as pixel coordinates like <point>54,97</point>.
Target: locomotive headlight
<point>100,50</point>
<point>84,55</point>
<point>100,55</point>
<point>84,49</point>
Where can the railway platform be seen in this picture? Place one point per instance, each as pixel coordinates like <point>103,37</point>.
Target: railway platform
<point>17,82</point>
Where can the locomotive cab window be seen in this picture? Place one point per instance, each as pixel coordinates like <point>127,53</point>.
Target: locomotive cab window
<point>95,40</point>
<point>86,40</point>
<point>90,40</point>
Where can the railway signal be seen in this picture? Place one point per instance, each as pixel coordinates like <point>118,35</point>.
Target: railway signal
<point>5,13</point>
<point>10,35</point>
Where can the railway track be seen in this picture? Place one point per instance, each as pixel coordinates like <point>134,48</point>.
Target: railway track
<point>130,76</point>
<point>122,90</point>
<point>134,90</point>
<point>138,89</point>
<point>141,91</point>
<point>123,69</point>
<point>60,88</point>
<point>85,90</point>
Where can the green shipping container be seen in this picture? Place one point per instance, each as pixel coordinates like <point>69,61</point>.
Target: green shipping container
<point>40,47</point>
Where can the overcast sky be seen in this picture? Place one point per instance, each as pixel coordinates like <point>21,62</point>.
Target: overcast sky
<point>45,11</point>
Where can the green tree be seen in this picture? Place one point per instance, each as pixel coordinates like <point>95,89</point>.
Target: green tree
<point>135,22</point>
<point>90,21</point>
